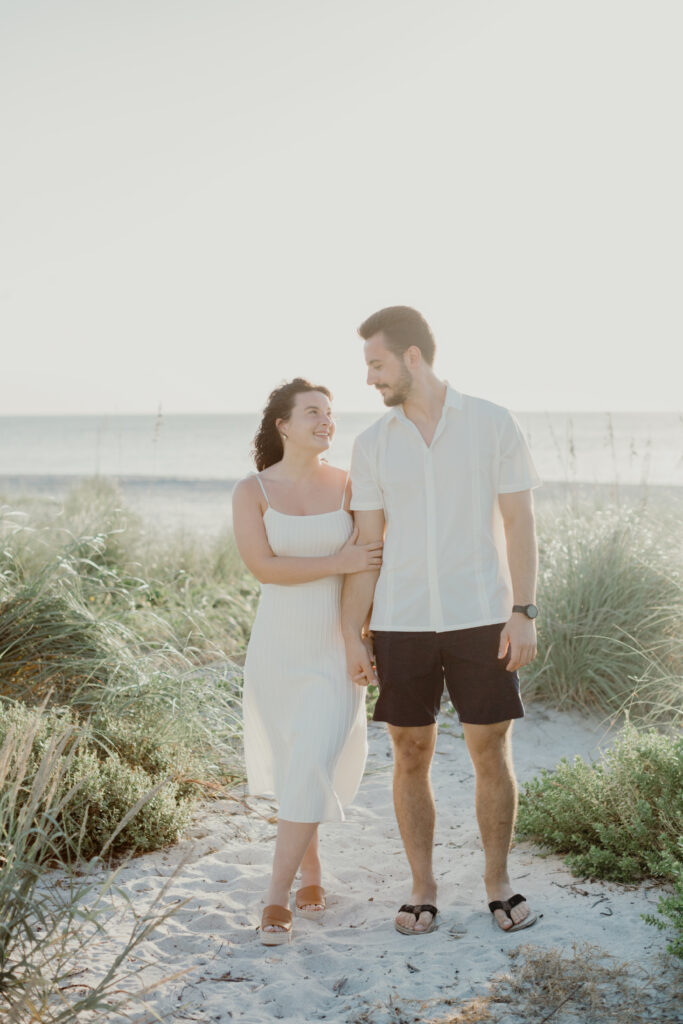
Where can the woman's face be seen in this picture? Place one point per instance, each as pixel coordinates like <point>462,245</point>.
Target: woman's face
<point>310,425</point>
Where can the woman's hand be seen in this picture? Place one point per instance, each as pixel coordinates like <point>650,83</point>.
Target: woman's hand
<point>360,661</point>
<point>355,557</point>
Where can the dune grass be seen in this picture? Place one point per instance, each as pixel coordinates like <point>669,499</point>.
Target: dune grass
<point>118,705</point>
<point>133,633</point>
<point>610,630</point>
<point>189,592</point>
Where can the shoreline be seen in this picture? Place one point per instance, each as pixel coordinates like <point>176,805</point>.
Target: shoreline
<point>204,505</point>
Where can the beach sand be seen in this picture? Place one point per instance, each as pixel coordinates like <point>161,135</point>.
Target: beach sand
<point>355,967</point>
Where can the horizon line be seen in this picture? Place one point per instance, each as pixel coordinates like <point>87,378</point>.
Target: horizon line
<point>342,412</point>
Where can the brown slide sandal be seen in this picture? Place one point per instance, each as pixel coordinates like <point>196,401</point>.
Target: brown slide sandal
<point>310,894</point>
<point>278,917</point>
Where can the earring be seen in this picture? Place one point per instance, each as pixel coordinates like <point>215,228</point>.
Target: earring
<point>283,435</point>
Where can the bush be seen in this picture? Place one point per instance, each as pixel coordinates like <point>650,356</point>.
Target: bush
<point>96,789</point>
<point>621,819</point>
<point>671,906</point>
<point>44,924</point>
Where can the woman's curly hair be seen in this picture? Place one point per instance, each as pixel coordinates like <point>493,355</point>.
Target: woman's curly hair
<point>268,448</point>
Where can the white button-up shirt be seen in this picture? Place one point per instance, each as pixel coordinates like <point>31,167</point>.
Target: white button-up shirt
<point>445,561</point>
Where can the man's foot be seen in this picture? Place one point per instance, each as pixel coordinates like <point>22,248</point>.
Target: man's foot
<point>514,912</point>
<point>418,912</point>
<point>408,922</point>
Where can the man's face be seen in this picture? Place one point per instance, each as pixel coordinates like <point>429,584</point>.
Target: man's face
<point>387,372</point>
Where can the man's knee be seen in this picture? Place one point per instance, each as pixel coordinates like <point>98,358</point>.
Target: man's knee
<point>413,747</point>
<point>489,745</point>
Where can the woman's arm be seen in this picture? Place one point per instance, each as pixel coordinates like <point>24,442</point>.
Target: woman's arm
<point>257,554</point>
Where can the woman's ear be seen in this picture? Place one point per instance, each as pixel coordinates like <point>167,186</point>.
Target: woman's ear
<point>281,427</point>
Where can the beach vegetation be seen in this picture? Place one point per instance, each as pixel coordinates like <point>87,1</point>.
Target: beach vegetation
<point>96,788</point>
<point>620,818</point>
<point>120,652</point>
<point>47,919</point>
<point>582,984</point>
<point>610,630</point>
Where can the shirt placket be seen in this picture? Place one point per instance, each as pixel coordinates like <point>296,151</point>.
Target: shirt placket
<point>435,609</point>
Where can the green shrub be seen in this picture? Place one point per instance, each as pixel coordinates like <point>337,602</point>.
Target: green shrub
<point>620,819</point>
<point>45,922</point>
<point>106,790</point>
<point>671,905</point>
<point>96,788</point>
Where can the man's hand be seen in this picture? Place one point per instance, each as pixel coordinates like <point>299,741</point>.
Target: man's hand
<point>519,634</point>
<point>360,660</point>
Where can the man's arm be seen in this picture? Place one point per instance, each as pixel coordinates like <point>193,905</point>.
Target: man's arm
<point>519,633</point>
<point>357,595</point>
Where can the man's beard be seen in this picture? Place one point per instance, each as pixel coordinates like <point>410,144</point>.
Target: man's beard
<point>401,389</point>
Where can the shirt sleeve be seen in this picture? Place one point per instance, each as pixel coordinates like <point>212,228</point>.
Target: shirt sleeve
<point>516,470</point>
<point>366,494</point>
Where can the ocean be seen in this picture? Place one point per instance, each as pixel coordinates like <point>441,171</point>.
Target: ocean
<point>180,469</point>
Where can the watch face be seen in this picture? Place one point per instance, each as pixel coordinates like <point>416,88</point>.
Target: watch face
<point>532,611</point>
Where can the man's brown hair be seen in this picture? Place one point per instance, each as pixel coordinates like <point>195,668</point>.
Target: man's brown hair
<point>402,327</point>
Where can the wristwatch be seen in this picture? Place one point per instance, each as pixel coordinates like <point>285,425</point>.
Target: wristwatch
<point>530,610</point>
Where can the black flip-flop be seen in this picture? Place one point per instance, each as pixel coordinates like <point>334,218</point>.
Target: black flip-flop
<point>417,910</point>
<point>506,906</point>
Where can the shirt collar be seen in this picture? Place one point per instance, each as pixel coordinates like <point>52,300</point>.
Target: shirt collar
<point>453,400</point>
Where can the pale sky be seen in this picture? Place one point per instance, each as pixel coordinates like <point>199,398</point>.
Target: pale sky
<point>201,199</point>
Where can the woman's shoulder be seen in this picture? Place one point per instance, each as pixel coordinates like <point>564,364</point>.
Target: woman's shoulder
<point>247,487</point>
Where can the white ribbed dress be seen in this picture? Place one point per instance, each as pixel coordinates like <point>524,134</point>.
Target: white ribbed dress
<point>305,732</point>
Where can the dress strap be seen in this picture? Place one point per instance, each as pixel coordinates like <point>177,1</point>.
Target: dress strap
<point>346,484</point>
<point>265,495</point>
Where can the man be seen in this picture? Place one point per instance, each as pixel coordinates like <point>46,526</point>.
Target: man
<point>449,476</point>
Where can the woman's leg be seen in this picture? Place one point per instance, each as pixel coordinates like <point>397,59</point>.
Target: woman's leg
<point>292,843</point>
<point>311,870</point>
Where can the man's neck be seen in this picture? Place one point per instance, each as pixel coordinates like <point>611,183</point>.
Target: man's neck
<point>426,400</point>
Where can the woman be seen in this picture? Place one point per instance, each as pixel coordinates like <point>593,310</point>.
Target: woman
<point>304,719</point>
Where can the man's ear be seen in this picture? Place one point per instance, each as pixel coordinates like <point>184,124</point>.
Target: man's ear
<point>412,357</point>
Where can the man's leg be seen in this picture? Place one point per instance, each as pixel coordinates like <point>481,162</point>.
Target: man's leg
<point>415,812</point>
<point>490,748</point>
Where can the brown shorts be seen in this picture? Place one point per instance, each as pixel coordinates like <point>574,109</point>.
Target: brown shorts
<point>413,667</point>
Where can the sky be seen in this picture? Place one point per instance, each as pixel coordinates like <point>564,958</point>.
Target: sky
<point>202,199</point>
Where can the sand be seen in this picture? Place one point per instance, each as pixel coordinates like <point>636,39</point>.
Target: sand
<point>355,966</point>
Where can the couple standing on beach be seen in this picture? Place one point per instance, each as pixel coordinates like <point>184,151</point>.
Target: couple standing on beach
<point>417,567</point>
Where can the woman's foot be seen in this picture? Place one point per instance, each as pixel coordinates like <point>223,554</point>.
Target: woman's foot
<point>310,902</point>
<point>277,898</point>
<point>276,925</point>
<point>312,878</point>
